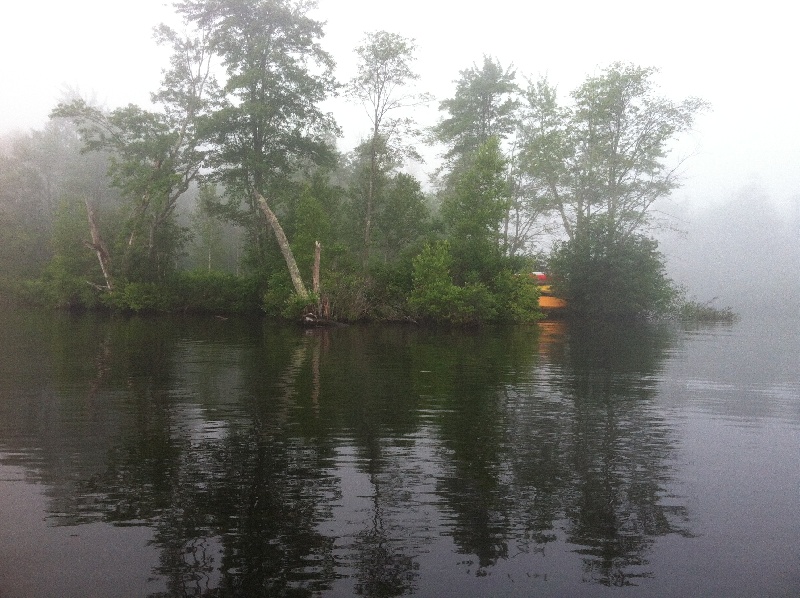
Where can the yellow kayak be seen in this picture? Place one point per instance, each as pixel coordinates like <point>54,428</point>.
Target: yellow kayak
<point>546,298</point>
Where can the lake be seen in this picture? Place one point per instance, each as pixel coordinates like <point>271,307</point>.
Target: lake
<point>192,456</point>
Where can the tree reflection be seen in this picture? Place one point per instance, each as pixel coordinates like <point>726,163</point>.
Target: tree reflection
<point>384,566</point>
<point>613,446</point>
<point>269,461</point>
<point>369,391</point>
<point>569,446</point>
<point>467,376</point>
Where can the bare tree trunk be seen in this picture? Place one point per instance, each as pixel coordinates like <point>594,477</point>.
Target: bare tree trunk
<point>370,195</point>
<point>283,243</point>
<point>98,246</point>
<point>315,274</point>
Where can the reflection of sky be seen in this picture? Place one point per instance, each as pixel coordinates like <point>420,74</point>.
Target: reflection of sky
<point>37,559</point>
<point>742,484</point>
<point>747,371</point>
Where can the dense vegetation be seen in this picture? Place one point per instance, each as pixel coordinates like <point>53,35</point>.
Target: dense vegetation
<point>228,194</point>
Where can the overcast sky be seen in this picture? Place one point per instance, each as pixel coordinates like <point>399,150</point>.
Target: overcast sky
<point>744,61</point>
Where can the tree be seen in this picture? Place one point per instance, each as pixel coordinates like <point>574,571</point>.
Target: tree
<point>39,171</point>
<point>605,155</point>
<point>154,158</point>
<point>207,232</point>
<point>473,213</point>
<point>603,277</point>
<point>400,213</point>
<point>538,143</point>
<point>269,125</point>
<point>601,163</point>
<point>403,217</point>
<point>484,106</point>
<point>384,68</point>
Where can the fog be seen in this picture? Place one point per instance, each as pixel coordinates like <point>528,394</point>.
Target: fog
<point>743,252</point>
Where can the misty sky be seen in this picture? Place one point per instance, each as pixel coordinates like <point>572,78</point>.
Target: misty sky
<point>742,60</point>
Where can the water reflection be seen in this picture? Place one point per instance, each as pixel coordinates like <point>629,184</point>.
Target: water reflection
<point>617,448</point>
<point>366,460</point>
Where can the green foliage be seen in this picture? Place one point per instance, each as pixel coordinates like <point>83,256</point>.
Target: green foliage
<point>266,129</point>
<point>483,107</point>
<point>145,168</point>
<point>267,125</point>
<point>188,292</point>
<point>435,298</point>
<point>692,310</point>
<point>432,295</point>
<point>215,292</point>
<point>23,250</point>
<point>278,292</point>
<point>381,85</point>
<point>473,213</point>
<point>605,155</point>
<point>141,297</point>
<point>38,170</point>
<point>517,297</point>
<point>297,305</point>
<point>402,218</point>
<point>154,157</point>
<point>208,248</point>
<point>309,223</point>
<point>58,287</point>
<point>384,69</point>
<point>392,283</point>
<point>604,277</point>
<point>72,278</point>
<point>347,292</point>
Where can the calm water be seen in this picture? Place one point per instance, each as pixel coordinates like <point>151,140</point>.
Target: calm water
<point>209,457</point>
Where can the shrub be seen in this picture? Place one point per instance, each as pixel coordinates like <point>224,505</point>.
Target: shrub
<point>59,288</point>
<point>601,276</point>
<point>433,293</point>
<point>691,310</point>
<point>215,292</point>
<point>141,297</point>
<point>279,290</point>
<point>517,298</point>
<point>434,297</point>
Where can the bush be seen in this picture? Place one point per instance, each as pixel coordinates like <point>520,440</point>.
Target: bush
<point>517,298</point>
<point>189,292</point>
<point>346,293</point>
<point>141,297</point>
<point>296,306</point>
<point>691,310</point>
<point>606,277</point>
<point>279,291</point>
<point>433,294</point>
<point>60,289</point>
<point>215,292</point>
<point>434,297</point>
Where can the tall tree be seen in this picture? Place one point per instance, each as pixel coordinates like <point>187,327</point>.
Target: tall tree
<point>403,217</point>
<point>604,157</point>
<point>484,106</point>
<point>537,137</point>
<point>473,213</point>
<point>384,70</point>
<point>269,125</point>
